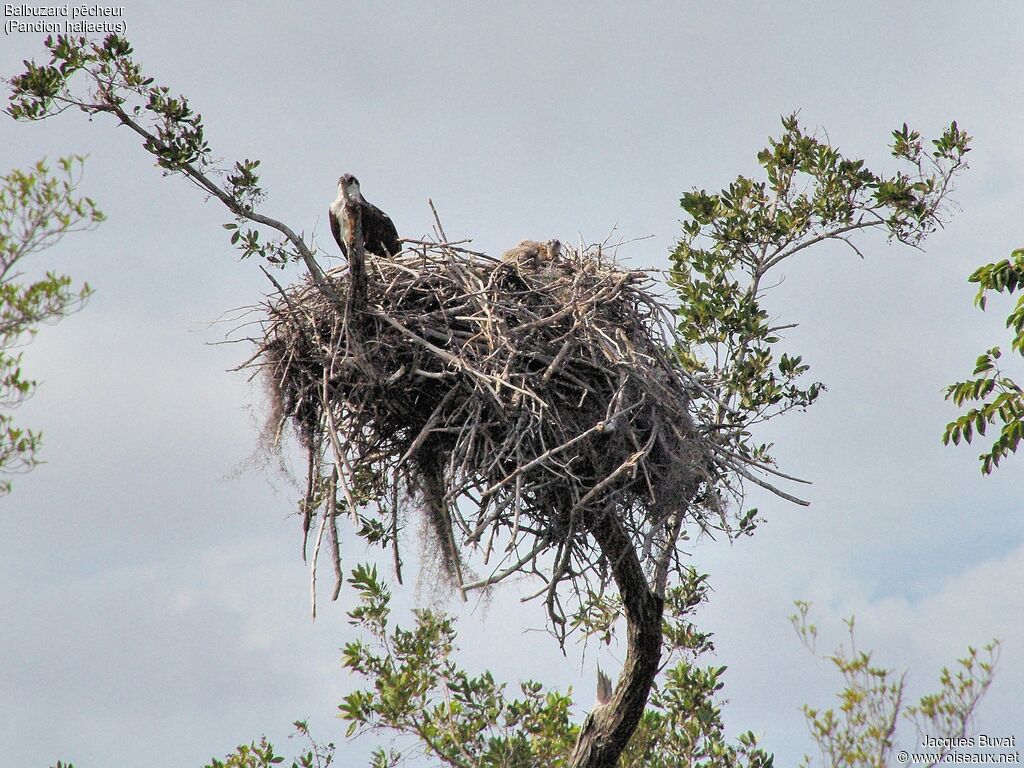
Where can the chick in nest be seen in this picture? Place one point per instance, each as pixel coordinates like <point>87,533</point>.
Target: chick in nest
<point>530,254</point>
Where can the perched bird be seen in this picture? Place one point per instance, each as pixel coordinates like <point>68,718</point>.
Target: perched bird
<point>379,234</point>
<point>554,249</point>
<point>530,254</point>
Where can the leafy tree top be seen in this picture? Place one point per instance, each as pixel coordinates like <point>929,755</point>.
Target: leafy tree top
<point>1000,399</point>
<point>37,208</point>
<point>103,77</point>
<point>733,240</point>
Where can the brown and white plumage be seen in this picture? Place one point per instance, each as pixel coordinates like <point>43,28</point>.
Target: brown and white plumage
<point>379,234</point>
<point>532,254</point>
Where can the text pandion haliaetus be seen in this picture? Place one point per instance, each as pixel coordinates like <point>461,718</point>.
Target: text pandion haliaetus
<point>379,234</point>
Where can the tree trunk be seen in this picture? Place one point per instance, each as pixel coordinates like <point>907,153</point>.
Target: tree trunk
<point>607,729</point>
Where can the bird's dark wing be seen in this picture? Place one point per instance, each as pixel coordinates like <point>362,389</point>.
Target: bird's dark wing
<point>389,237</point>
<point>379,230</point>
<point>336,231</point>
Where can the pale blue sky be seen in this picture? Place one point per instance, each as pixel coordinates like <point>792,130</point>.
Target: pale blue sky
<point>151,588</point>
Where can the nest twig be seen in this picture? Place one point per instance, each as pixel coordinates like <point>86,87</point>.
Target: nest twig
<point>515,401</point>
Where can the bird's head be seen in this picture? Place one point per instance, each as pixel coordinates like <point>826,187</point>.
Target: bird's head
<point>348,187</point>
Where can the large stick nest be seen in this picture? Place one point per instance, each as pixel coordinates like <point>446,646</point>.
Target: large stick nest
<point>515,400</point>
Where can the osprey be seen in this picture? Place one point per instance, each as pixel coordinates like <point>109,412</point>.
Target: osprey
<point>379,233</point>
<point>531,254</point>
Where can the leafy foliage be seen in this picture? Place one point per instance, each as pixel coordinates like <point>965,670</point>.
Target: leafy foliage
<point>261,754</point>
<point>1001,398</point>
<point>732,241</point>
<point>862,733</point>
<point>171,130</point>
<point>418,691</point>
<point>438,710</point>
<point>37,208</point>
